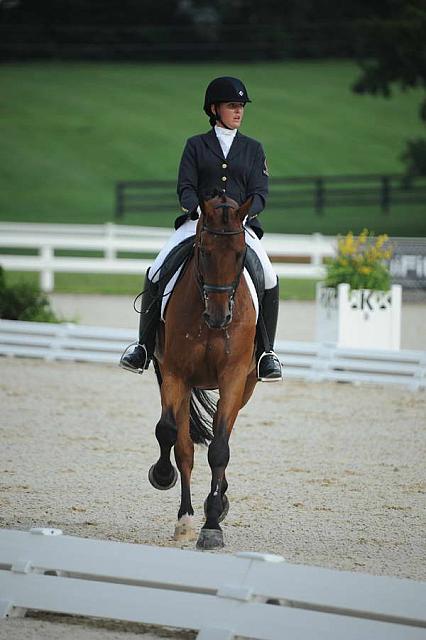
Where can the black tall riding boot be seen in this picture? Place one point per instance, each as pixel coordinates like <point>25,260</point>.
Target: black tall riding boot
<point>139,359</point>
<point>268,364</point>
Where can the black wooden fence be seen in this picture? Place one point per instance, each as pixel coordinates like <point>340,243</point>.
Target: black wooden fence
<point>313,193</point>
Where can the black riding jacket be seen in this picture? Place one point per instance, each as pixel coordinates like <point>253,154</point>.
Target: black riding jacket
<point>243,173</point>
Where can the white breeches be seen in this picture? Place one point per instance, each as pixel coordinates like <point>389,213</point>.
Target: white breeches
<point>188,229</point>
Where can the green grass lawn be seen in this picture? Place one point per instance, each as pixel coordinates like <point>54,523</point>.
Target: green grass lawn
<point>69,131</point>
<point>400,221</point>
<point>92,283</point>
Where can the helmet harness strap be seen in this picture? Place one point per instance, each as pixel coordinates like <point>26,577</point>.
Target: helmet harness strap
<point>218,118</point>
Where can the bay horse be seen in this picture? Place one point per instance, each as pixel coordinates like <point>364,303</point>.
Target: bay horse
<point>207,342</point>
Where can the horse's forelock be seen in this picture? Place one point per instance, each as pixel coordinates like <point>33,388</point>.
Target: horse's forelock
<point>214,213</point>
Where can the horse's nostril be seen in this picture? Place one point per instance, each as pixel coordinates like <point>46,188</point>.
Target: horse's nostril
<point>214,323</point>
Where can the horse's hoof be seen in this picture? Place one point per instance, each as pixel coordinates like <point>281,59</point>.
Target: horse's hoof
<point>168,482</point>
<point>184,530</point>
<point>225,509</point>
<point>210,539</point>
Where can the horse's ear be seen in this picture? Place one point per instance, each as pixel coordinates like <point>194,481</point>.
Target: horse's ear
<point>204,202</point>
<point>245,208</point>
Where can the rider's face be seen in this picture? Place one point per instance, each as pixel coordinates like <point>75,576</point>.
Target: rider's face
<point>231,114</point>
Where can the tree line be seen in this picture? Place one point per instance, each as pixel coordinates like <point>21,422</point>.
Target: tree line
<point>138,29</point>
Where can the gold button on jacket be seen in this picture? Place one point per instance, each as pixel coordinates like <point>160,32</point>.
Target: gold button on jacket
<point>202,168</point>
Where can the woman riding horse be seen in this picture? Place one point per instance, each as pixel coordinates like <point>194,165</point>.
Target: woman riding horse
<point>224,157</point>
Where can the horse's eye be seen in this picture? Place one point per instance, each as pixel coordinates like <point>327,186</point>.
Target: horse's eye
<point>239,255</point>
<point>204,252</point>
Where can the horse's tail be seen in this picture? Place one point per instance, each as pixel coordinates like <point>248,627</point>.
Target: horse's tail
<point>201,411</point>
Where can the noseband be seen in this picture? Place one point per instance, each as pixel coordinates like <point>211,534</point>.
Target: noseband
<point>230,289</point>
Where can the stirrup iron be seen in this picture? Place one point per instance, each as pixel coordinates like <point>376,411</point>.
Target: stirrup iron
<point>124,365</point>
<point>261,379</point>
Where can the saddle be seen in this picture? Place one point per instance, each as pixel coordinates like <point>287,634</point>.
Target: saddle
<point>181,253</point>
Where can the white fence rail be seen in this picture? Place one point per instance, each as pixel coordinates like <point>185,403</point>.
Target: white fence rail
<point>306,360</point>
<point>111,239</point>
<point>220,596</point>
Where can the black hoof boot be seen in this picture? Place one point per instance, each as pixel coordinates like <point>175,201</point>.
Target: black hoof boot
<point>135,361</point>
<point>269,368</point>
<point>225,508</point>
<point>210,539</point>
<point>162,483</point>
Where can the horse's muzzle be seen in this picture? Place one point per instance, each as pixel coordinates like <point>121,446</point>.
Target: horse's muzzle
<point>217,311</point>
<point>217,322</point>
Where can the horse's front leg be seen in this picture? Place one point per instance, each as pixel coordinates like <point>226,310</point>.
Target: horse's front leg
<point>211,535</point>
<point>163,475</point>
<point>248,391</point>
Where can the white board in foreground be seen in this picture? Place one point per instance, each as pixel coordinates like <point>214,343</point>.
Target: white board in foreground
<point>220,596</point>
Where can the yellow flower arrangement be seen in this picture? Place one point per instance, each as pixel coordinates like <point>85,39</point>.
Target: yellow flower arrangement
<point>361,261</point>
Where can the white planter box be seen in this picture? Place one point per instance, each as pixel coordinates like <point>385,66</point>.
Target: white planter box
<point>361,318</point>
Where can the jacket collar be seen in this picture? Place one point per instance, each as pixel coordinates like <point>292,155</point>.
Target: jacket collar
<point>213,143</point>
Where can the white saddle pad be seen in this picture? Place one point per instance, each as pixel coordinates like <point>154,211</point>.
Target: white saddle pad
<point>170,286</point>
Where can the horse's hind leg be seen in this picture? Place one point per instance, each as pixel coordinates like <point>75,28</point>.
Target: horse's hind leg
<point>175,396</point>
<point>184,455</point>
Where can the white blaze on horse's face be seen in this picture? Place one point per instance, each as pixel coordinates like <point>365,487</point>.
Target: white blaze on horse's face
<point>221,254</point>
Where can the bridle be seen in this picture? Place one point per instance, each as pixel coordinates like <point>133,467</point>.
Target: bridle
<point>230,289</point>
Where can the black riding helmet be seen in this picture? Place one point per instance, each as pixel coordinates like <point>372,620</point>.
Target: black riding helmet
<point>224,89</point>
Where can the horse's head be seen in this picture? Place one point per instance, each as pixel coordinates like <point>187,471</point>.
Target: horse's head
<point>220,254</point>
